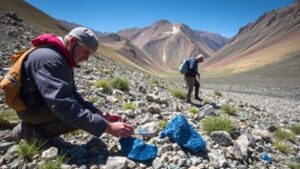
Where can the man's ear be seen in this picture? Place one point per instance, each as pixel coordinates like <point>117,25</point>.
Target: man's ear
<point>72,43</point>
<point>73,40</point>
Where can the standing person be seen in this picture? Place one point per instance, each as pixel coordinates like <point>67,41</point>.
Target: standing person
<point>54,106</point>
<point>191,78</point>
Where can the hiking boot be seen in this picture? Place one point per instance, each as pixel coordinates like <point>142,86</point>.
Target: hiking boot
<point>189,101</point>
<point>24,131</point>
<point>198,98</point>
<point>59,142</point>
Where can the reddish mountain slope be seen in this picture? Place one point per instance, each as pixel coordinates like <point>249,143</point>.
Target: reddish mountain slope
<point>168,44</point>
<point>273,38</point>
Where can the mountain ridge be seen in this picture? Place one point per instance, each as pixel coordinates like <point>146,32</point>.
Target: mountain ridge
<point>272,30</point>
<point>169,43</point>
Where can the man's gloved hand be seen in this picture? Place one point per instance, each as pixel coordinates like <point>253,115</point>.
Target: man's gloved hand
<point>119,129</point>
<point>111,117</point>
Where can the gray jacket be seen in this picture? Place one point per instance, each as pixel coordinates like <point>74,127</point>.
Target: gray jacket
<point>48,79</point>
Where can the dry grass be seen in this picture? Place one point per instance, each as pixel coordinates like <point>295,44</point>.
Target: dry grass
<point>217,93</point>
<point>281,134</point>
<point>211,124</point>
<point>54,164</point>
<point>282,146</point>
<point>193,110</point>
<point>7,116</point>
<point>119,83</point>
<point>163,124</point>
<point>293,165</point>
<point>128,106</point>
<point>228,109</point>
<point>295,128</point>
<point>180,94</point>
<point>26,150</point>
<point>104,84</point>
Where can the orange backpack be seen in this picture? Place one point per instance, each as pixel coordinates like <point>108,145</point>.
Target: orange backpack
<point>11,82</point>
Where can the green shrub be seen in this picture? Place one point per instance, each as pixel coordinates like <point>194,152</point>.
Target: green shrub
<point>228,109</point>
<point>129,106</point>
<point>53,164</point>
<point>281,146</point>
<point>293,165</point>
<point>6,116</point>
<point>119,83</point>
<point>217,123</point>
<point>217,93</point>
<point>104,84</point>
<point>295,128</point>
<point>281,134</point>
<point>26,150</point>
<point>162,124</point>
<point>193,110</point>
<point>179,94</point>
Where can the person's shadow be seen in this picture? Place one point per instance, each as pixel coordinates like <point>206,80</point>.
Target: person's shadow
<point>94,152</point>
<point>196,104</point>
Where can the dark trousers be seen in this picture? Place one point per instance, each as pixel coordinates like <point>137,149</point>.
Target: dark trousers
<point>190,83</point>
<point>44,122</point>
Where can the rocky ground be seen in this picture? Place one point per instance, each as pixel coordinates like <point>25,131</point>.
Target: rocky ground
<point>283,107</point>
<point>255,119</point>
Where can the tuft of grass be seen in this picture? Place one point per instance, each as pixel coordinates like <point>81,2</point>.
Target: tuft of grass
<point>93,99</point>
<point>26,150</point>
<point>106,71</point>
<point>104,84</point>
<point>211,124</point>
<point>206,101</point>
<point>96,100</point>
<point>128,106</point>
<point>119,83</point>
<point>295,128</point>
<point>54,164</point>
<point>193,110</point>
<point>217,93</point>
<point>154,82</point>
<point>293,165</point>
<point>179,94</point>
<point>75,133</point>
<point>162,124</point>
<point>281,146</point>
<point>6,116</point>
<point>281,134</point>
<point>228,109</point>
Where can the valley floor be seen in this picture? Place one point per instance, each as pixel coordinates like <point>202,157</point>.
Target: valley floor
<point>275,80</point>
<point>279,97</point>
<point>280,100</point>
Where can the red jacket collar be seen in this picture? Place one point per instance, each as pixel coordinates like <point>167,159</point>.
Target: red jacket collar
<point>52,40</point>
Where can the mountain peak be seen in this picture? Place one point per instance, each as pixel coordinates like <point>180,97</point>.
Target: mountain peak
<point>162,22</point>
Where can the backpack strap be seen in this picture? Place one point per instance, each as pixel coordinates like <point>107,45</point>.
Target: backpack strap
<point>14,73</point>
<point>11,82</point>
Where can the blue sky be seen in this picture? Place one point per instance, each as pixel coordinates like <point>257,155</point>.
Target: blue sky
<point>219,16</point>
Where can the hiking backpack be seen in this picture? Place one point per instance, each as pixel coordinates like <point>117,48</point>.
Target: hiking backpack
<point>11,82</point>
<point>184,67</point>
